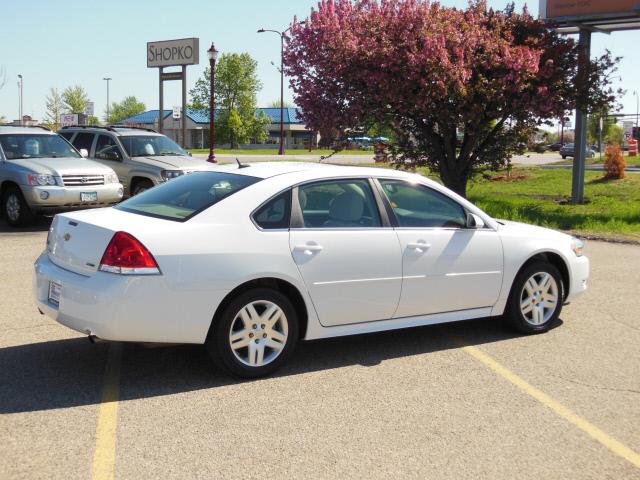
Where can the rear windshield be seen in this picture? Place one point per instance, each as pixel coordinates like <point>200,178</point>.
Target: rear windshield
<point>186,196</point>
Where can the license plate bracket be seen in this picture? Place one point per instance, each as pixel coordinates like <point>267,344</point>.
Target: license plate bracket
<point>88,196</point>
<point>55,291</point>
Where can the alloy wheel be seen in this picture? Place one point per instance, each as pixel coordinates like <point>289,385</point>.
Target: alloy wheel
<point>258,333</point>
<point>539,298</point>
<point>13,207</point>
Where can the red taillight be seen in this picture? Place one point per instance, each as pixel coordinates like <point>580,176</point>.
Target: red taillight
<point>126,255</point>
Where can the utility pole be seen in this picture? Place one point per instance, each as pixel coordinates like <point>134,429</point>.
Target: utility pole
<point>20,104</point>
<point>108,79</point>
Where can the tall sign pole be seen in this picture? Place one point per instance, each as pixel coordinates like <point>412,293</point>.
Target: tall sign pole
<point>170,53</point>
<point>580,146</point>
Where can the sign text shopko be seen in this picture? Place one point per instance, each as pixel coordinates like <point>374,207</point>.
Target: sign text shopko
<point>184,51</point>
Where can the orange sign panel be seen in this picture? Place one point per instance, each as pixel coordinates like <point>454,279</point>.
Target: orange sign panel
<point>574,8</point>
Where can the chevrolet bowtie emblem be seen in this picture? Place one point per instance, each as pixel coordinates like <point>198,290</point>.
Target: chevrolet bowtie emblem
<point>66,237</point>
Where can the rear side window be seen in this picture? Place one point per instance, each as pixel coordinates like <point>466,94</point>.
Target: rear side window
<point>275,213</point>
<point>186,196</point>
<point>83,140</point>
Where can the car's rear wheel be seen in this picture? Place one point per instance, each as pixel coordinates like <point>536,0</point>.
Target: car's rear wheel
<point>535,301</point>
<point>141,186</point>
<point>15,208</point>
<point>255,334</point>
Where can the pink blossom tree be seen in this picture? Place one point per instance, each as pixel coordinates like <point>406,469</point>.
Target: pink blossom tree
<point>461,89</point>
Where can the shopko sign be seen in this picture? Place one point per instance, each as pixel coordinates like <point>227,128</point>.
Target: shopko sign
<point>173,52</point>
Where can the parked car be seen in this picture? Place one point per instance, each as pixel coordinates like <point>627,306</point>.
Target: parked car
<point>568,150</point>
<point>40,172</point>
<point>141,157</point>
<point>555,147</point>
<point>250,259</point>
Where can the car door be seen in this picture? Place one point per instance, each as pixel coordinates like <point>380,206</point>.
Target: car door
<point>108,152</point>
<point>445,266</point>
<point>348,257</point>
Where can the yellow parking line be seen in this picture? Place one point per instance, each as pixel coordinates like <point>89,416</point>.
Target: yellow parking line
<point>104,457</point>
<point>594,432</point>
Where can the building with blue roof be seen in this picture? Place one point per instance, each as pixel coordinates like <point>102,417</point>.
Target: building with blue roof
<point>197,126</point>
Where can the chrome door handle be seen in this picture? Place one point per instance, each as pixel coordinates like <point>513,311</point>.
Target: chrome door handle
<point>309,249</point>
<point>419,246</point>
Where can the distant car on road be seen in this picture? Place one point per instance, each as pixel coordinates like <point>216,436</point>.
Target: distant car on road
<point>555,147</point>
<point>250,259</point>
<point>40,172</point>
<point>568,151</point>
<point>141,157</point>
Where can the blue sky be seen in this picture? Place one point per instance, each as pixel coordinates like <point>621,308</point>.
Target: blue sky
<point>57,44</point>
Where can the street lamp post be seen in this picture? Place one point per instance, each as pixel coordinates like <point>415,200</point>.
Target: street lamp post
<point>281,34</point>
<point>635,92</point>
<point>21,87</point>
<point>212,54</point>
<point>108,79</point>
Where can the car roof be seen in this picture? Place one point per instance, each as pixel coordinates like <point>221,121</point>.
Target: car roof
<point>317,170</point>
<point>19,130</point>
<point>115,129</point>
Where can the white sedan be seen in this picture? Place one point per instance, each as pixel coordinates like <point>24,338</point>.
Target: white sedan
<point>249,261</point>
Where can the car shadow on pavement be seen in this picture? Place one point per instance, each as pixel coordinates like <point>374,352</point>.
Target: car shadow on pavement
<point>69,373</point>
<point>40,224</point>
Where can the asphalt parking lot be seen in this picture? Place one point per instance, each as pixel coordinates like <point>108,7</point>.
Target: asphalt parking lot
<point>467,400</point>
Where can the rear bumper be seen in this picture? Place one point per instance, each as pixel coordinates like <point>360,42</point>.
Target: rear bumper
<point>125,308</point>
<point>68,198</point>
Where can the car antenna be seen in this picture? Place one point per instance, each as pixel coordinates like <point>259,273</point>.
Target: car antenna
<point>241,165</point>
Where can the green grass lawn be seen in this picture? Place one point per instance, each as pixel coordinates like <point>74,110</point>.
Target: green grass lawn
<point>274,151</point>
<point>631,161</point>
<point>612,207</point>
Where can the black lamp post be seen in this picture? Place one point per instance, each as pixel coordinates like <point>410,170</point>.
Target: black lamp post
<point>262,30</point>
<point>213,54</point>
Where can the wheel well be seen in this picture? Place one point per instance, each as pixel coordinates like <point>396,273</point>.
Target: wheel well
<point>555,260</point>
<point>136,180</point>
<point>5,185</point>
<point>282,286</point>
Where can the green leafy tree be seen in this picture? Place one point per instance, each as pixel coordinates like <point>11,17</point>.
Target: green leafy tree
<point>237,86</point>
<point>75,99</point>
<point>615,134</point>
<point>276,104</point>
<point>594,127</point>
<point>128,107</point>
<point>55,107</point>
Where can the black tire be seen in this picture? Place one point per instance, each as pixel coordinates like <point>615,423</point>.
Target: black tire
<point>564,157</point>
<point>24,214</point>
<point>218,341</point>
<point>513,311</point>
<point>140,186</point>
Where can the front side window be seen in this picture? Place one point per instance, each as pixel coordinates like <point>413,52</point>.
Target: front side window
<point>338,204</point>
<point>107,149</point>
<point>35,146</point>
<point>275,213</point>
<point>417,205</point>
<point>150,145</point>
<point>83,140</point>
<point>186,196</point>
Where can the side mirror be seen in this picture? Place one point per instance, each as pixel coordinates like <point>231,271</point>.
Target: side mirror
<point>474,221</point>
<point>84,153</point>
<point>189,153</point>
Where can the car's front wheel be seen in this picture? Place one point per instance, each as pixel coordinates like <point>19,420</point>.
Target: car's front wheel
<point>15,208</point>
<point>141,186</point>
<point>255,334</point>
<point>536,297</point>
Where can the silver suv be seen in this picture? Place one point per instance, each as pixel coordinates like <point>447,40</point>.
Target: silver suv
<point>141,157</point>
<point>40,172</point>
